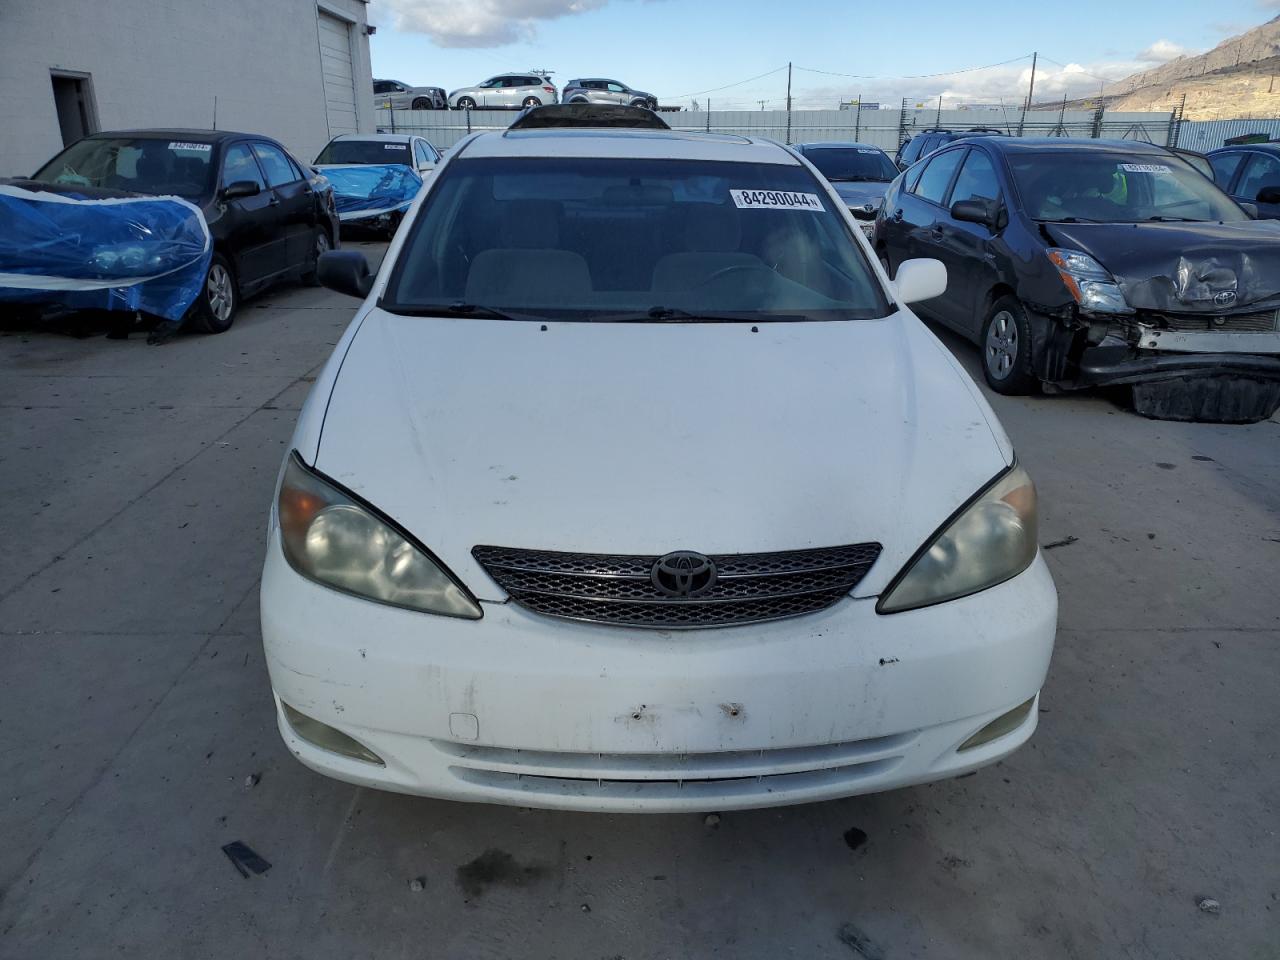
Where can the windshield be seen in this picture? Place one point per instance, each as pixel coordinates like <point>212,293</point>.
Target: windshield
<point>624,239</point>
<point>852,163</point>
<point>177,167</point>
<point>365,151</point>
<point>1116,188</point>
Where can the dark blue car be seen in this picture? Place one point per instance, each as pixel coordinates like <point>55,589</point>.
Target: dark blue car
<point>1251,174</point>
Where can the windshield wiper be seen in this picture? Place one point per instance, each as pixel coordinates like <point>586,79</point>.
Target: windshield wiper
<point>661,314</point>
<point>858,179</point>
<point>460,309</point>
<point>1159,218</point>
<point>1070,220</point>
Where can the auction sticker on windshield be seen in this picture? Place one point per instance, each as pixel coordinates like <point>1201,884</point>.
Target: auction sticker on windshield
<point>1144,168</point>
<point>775,200</point>
<point>198,147</point>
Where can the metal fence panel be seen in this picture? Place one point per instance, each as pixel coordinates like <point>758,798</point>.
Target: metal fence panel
<point>1205,135</point>
<point>882,128</point>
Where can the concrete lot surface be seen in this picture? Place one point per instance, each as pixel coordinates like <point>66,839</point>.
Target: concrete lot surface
<point>135,714</point>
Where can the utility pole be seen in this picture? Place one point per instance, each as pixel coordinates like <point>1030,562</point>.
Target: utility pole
<point>937,121</point>
<point>1032,89</point>
<point>788,101</point>
<point>857,119</point>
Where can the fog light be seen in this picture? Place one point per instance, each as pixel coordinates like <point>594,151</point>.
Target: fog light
<point>327,738</point>
<point>1005,723</point>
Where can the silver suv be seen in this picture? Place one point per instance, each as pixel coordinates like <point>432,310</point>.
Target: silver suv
<point>599,90</point>
<point>507,91</point>
<point>400,96</point>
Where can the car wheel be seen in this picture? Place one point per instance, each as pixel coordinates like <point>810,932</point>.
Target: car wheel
<point>319,245</point>
<point>420,103</point>
<point>215,308</point>
<point>578,100</point>
<point>466,103</point>
<point>1006,348</point>
<point>640,102</point>
<point>531,102</point>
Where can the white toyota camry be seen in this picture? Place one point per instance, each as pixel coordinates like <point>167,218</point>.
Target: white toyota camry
<point>634,485</point>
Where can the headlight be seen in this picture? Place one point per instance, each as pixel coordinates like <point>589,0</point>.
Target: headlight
<point>333,539</point>
<point>1089,282</point>
<point>992,539</point>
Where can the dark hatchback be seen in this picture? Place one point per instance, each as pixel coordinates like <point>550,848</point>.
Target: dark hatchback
<point>270,216</point>
<point>860,173</point>
<point>1075,263</point>
<point>1251,174</point>
<point>927,141</point>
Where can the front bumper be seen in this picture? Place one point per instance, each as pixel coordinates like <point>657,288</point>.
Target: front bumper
<point>527,710</point>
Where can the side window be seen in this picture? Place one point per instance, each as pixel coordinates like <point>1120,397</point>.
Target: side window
<point>275,164</point>
<point>1263,170</point>
<point>616,88</point>
<point>381,86</point>
<point>911,151</point>
<point>532,82</point>
<point>933,183</point>
<point>1225,166</point>
<point>238,164</point>
<point>420,153</point>
<point>977,180</point>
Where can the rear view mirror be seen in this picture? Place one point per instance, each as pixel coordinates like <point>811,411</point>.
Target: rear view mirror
<point>975,211</point>
<point>1268,195</point>
<point>241,188</point>
<point>918,280</point>
<point>346,271</point>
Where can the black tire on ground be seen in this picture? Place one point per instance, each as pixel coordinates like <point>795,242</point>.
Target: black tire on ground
<point>579,100</point>
<point>466,103</point>
<point>320,243</point>
<point>531,102</point>
<point>1006,348</point>
<point>215,308</point>
<point>421,103</point>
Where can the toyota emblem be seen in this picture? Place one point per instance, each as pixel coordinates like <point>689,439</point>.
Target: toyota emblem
<point>683,575</point>
<point>1225,298</point>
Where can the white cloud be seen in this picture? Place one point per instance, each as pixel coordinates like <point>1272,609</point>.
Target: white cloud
<point>1162,51</point>
<point>480,23</point>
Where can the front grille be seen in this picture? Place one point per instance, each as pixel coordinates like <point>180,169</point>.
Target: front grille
<point>1264,321</point>
<point>617,589</point>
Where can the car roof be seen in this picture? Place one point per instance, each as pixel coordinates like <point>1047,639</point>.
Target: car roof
<point>1264,147</point>
<point>189,133</point>
<point>375,137</point>
<point>840,145</point>
<point>627,143</point>
<point>1071,145</point>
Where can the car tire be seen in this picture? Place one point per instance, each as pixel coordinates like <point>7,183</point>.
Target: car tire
<point>320,243</point>
<point>578,100</point>
<point>531,102</point>
<point>215,308</point>
<point>466,103</point>
<point>1006,348</point>
<point>421,103</point>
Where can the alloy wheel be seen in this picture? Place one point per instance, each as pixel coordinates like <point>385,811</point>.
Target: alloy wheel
<point>1001,350</point>
<point>220,292</point>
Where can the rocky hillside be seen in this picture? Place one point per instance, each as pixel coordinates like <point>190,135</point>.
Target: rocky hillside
<point>1236,79</point>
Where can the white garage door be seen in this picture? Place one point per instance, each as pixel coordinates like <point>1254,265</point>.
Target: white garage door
<point>335,64</point>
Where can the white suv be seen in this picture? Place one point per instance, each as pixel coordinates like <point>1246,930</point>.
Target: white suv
<point>634,485</point>
<point>508,91</point>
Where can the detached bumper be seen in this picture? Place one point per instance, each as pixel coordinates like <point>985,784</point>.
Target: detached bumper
<point>527,710</point>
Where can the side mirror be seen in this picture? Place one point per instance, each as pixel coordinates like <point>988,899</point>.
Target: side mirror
<point>918,280</point>
<point>1268,195</point>
<point>241,188</point>
<point>346,271</point>
<point>975,211</point>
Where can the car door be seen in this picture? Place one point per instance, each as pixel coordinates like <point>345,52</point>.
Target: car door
<point>293,204</point>
<point>1260,171</point>
<point>922,215</point>
<point>967,249</point>
<point>503,95</point>
<point>248,226</point>
<point>616,92</point>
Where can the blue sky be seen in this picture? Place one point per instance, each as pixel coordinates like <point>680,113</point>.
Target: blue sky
<point>676,48</point>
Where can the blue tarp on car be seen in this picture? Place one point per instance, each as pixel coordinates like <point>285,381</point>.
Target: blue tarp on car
<point>88,252</point>
<point>364,190</point>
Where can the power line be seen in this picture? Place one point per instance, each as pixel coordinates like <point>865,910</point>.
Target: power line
<point>697,93</point>
<point>1081,70</point>
<point>914,76</point>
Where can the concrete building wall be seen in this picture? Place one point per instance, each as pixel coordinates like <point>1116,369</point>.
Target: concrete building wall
<point>158,63</point>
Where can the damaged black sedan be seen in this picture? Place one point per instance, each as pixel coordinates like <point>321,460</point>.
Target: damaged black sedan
<point>1084,263</point>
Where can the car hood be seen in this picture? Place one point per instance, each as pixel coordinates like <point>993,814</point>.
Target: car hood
<point>855,193</point>
<point>1184,267</point>
<point>647,438</point>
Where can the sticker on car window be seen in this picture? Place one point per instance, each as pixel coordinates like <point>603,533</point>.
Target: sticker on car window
<point>198,147</point>
<point>393,146</point>
<point>872,152</point>
<point>775,200</point>
<point>1144,168</point>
